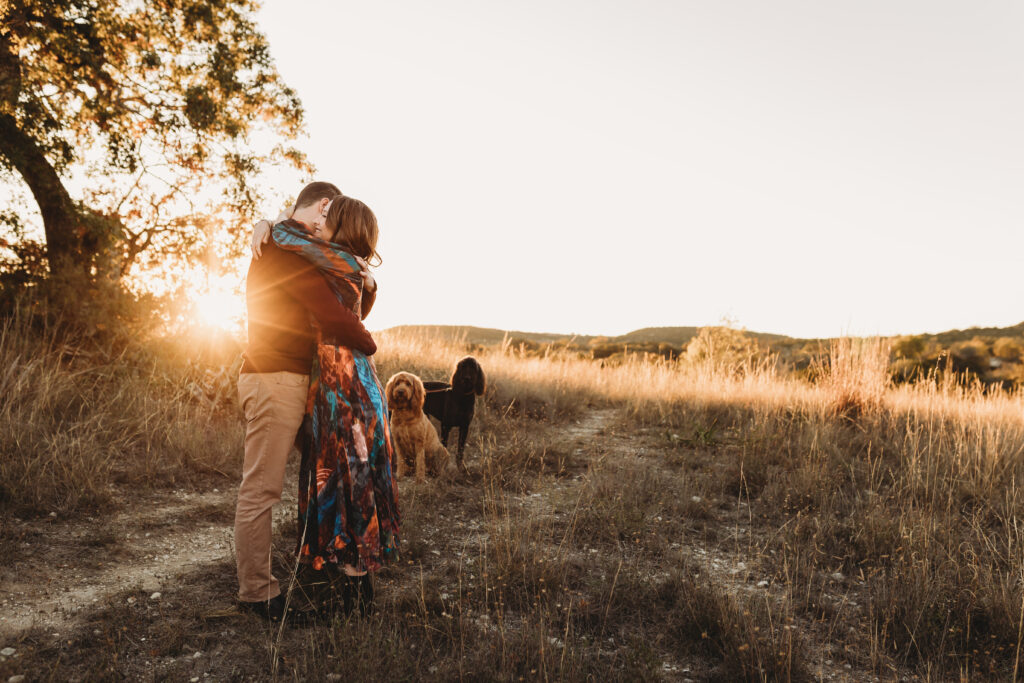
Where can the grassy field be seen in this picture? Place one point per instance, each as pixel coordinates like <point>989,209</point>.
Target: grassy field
<point>644,520</point>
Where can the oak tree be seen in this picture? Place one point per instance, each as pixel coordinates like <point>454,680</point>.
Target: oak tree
<point>137,123</point>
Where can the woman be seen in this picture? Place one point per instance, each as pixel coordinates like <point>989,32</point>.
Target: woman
<point>348,503</point>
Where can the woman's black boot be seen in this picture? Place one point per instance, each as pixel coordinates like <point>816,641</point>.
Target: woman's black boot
<point>365,594</point>
<point>341,598</point>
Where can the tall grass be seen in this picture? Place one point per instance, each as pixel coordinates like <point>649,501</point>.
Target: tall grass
<point>78,421</point>
<point>914,487</point>
<point>909,494</point>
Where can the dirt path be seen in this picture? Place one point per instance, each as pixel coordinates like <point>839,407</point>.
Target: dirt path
<point>731,560</point>
<point>65,569</point>
<point>67,566</point>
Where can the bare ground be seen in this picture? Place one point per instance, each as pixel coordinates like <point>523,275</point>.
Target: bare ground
<point>146,592</point>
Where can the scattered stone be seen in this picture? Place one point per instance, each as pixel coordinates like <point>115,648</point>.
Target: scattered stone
<point>696,499</point>
<point>762,583</point>
<point>155,596</point>
<point>53,514</point>
<point>838,576</point>
<point>197,655</point>
<point>7,652</point>
<point>131,601</point>
<point>17,678</point>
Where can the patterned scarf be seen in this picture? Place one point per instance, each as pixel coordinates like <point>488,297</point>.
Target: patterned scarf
<point>340,267</point>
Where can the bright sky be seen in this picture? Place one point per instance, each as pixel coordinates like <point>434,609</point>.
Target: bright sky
<point>807,168</point>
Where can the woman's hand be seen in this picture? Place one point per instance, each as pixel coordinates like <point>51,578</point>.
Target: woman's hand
<point>260,235</point>
<point>261,232</point>
<point>369,284</point>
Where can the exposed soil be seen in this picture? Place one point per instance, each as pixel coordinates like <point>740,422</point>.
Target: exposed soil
<point>147,591</point>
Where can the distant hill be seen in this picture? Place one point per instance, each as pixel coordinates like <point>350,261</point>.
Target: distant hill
<point>676,336</point>
<point>486,336</point>
<point>679,336</point>
<point>952,336</point>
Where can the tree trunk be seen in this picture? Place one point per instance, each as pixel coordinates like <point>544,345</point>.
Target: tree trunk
<point>65,231</point>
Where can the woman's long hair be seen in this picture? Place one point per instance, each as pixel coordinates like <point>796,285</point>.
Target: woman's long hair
<point>353,226</point>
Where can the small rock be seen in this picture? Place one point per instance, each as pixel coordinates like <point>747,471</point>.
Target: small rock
<point>155,596</point>
<point>194,679</point>
<point>838,576</point>
<point>7,652</point>
<point>53,514</point>
<point>197,655</point>
<point>696,499</point>
<point>17,678</point>
<point>762,583</point>
<point>131,601</point>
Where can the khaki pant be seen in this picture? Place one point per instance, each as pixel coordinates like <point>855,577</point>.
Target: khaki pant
<point>274,403</point>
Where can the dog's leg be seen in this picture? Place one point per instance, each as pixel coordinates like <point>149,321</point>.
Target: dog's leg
<point>421,463</point>
<point>396,460</point>
<point>463,433</point>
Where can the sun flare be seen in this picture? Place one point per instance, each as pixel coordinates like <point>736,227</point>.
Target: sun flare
<point>216,302</point>
<point>217,309</point>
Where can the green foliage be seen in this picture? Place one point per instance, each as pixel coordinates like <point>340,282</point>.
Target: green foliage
<point>723,346</point>
<point>971,356</point>
<point>1008,348</point>
<point>909,347</point>
<point>155,105</point>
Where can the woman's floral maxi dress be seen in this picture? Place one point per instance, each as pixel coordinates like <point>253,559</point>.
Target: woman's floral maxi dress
<point>348,499</point>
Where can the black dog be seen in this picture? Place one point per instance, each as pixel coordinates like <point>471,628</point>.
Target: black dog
<point>453,404</point>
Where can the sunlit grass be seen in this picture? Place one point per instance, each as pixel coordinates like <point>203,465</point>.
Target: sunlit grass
<point>909,493</point>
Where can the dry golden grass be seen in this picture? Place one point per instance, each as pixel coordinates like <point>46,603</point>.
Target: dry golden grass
<point>886,520</point>
<point>914,489</point>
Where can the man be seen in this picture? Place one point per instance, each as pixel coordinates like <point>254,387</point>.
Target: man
<point>282,291</point>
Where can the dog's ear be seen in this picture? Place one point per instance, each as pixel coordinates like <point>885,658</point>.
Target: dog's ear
<point>419,394</point>
<point>389,390</point>
<point>481,381</point>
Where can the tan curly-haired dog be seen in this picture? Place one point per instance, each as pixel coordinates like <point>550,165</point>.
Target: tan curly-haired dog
<point>416,439</point>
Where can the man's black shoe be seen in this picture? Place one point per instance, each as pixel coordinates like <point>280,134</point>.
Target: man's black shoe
<point>274,611</point>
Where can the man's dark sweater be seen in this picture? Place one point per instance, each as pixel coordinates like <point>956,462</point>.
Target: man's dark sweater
<point>282,291</point>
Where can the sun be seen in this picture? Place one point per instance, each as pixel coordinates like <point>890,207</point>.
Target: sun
<point>218,304</point>
<point>215,308</point>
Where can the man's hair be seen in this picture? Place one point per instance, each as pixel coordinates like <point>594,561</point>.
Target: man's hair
<point>314,192</point>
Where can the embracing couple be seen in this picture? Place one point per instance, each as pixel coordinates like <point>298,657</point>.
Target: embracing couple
<point>308,381</point>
